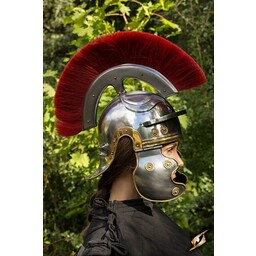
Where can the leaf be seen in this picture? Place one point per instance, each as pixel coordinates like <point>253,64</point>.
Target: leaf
<point>89,31</point>
<point>125,9</point>
<point>80,31</point>
<point>183,121</point>
<point>187,171</point>
<point>78,10</point>
<point>49,90</point>
<point>171,24</point>
<point>46,117</point>
<point>166,5</point>
<point>50,73</point>
<point>79,160</point>
<point>108,2</point>
<point>67,20</point>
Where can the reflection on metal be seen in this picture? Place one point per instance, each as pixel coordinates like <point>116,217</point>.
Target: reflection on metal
<point>198,240</point>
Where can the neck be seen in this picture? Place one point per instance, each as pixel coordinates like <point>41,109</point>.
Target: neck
<point>123,188</point>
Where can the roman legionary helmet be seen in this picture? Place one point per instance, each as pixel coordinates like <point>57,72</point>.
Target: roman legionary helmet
<point>147,118</point>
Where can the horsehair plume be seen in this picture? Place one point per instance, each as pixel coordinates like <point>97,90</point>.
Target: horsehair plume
<point>115,49</point>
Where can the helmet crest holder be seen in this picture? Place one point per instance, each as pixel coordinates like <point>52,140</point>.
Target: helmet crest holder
<point>115,77</point>
<point>110,59</point>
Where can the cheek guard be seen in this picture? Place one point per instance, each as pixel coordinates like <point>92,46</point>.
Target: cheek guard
<point>153,176</point>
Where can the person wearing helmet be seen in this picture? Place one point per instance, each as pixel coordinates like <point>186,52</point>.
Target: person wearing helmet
<point>139,133</point>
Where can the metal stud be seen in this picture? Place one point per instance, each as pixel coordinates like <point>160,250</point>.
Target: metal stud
<point>168,164</point>
<point>175,191</point>
<point>154,132</point>
<point>149,167</point>
<point>164,129</point>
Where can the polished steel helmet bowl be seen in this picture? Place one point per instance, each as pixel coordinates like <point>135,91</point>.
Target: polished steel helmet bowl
<point>151,122</point>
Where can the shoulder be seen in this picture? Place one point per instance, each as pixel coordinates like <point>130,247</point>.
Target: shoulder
<point>102,234</point>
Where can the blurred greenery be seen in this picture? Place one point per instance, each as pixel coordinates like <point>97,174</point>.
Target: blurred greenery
<point>70,24</point>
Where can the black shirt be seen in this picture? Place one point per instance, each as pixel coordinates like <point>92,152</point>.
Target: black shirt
<point>134,228</point>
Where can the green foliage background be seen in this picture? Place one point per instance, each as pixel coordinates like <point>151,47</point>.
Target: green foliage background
<point>70,24</point>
